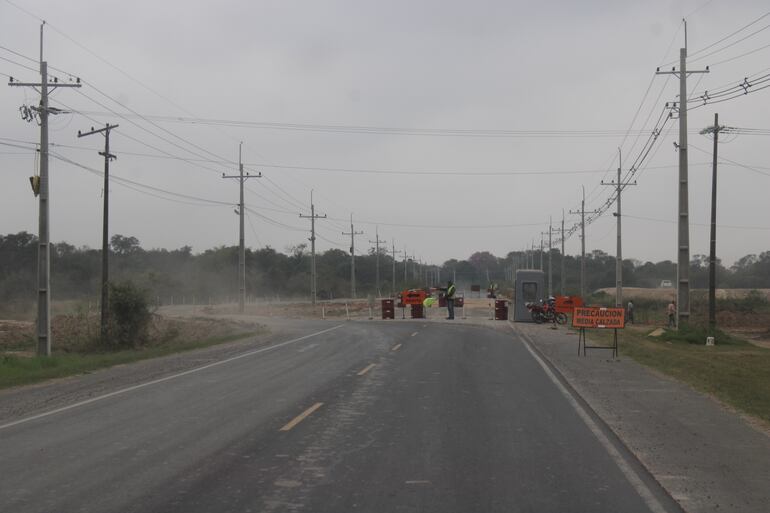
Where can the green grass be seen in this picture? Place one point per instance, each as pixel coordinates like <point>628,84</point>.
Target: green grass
<point>734,371</point>
<point>18,370</point>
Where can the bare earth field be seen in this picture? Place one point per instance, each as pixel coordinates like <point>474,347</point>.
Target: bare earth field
<point>665,294</point>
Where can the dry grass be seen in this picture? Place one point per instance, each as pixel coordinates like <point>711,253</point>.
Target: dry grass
<point>734,371</point>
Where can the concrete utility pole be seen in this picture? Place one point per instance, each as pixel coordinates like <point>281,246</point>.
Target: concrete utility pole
<point>241,238</point>
<point>542,235</point>
<point>43,245</point>
<point>313,216</point>
<point>713,238</point>
<point>550,257</point>
<point>532,255</point>
<point>619,186</point>
<point>563,279</point>
<point>406,257</point>
<point>583,213</point>
<point>395,253</point>
<point>377,243</point>
<point>105,315</point>
<point>683,253</point>
<point>352,234</point>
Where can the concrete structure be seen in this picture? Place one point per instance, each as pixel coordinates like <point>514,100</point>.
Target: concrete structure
<point>528,287</point>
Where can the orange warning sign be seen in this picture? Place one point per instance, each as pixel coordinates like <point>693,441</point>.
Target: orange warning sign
<point>598,317</point>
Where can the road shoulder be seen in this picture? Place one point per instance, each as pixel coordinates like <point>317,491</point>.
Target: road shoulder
<point>23,401</point>
<point>708,458</point>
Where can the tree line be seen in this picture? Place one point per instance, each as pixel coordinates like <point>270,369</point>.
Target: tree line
<point>212,274</point>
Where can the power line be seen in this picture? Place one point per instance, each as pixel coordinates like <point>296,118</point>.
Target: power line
<point>412,172</point>
<point>381,130</point>
<point>139,184</point>
<point>19,64</point>
<point>754,22</point>
<point>731,44</point>
<point>728,226</point>
<point>192,162</point>
<point>734,163</point>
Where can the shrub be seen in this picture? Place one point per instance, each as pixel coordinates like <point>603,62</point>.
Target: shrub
<point>129,315</point>
<point>752,302</point>
<point>696,335</point>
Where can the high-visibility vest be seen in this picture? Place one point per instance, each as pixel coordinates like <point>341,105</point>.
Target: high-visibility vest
<point>450,292</point>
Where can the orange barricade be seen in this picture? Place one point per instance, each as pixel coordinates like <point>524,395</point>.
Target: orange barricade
<point>413,297</point>
<point>565,304</point>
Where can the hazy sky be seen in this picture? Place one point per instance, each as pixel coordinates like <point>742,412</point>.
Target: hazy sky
<point>494,80</point>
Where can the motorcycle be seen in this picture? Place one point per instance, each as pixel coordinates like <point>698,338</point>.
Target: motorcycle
<point>545,312</point>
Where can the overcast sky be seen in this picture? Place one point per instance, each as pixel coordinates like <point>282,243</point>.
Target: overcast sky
<point>478,67</point>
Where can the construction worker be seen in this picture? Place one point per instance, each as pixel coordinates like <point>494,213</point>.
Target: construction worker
<point>449,294</point>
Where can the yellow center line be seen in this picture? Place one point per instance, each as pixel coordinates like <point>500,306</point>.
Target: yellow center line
<point>414,334</point>
<point>396,347</point>
<point>302,416</point>
<point>365,369</point>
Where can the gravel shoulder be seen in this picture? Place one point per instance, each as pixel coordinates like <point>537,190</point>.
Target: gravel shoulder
<point>23,401</point>
<point>709,458</point>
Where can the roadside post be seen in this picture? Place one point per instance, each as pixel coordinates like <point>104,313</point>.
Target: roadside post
<point>598,317</point>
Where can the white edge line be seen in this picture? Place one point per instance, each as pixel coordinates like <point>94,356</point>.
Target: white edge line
<point>632,476</point>
<point>165,378</point>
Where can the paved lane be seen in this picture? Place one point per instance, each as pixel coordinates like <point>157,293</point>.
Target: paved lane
<point>366,417</point>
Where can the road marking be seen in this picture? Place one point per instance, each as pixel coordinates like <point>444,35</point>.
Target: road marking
<point>414,334</point>
<point>166,378</point>
<point>417,482</point>
<point>633,478</point>
<point>302,416</point>
<point>365,369</point>
<point>396,347</point>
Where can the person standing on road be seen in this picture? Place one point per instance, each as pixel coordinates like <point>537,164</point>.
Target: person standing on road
<point>630,312</point>
<point>449,294</point>
<point>671,310</point>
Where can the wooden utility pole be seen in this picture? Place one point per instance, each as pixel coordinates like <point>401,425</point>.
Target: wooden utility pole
<point>713,236</point>
<point>105,309</point>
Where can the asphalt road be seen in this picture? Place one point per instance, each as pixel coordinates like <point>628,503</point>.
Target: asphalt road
<point>397,416</point>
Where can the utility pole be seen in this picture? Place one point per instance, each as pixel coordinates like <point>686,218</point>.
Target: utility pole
<point>532,255</point>
<point>352,234</point>
<point>583,213</point>
<point>406,257</point>
<point>619,186</point>
<point>683,244</point>
<point>241,238</point>
<point>563,266</point>
<point>395,253</point>
<point>105,316</point>
<point>377,243</point>
<point>542,234</point>
<point>313,216</point>
<point>43,247</point>
<point>713,238</point>
<point>550,256</point>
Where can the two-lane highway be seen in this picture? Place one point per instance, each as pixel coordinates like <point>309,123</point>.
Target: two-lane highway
<point>365,416</point>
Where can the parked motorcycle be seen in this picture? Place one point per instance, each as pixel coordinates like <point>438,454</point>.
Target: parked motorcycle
<point>545,312</point>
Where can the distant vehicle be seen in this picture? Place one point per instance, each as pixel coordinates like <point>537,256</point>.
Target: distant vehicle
<point>666,284</point>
